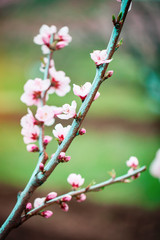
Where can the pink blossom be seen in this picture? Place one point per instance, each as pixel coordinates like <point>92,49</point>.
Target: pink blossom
<point>28,206</point>
<point>66,198</point>
<point>130,171</point>
<point>44,36</point>
<point>45,114</point>
<point>46,214</point>
<point>44,63</point>
<point>75,180</point>
<point>155,166</point>
<point>82,131</point>
<point>51,196</point>
<point>46,140</point>
<point>28,120</point>
<point>83,91</point>
<point>59,83</point>
<point>68,111</point>
<point>30,135</point>
<point>61,132</point>
<point>38,202</point>
<point>32,148</point>
<point>99,57</point>
<point>45,49</point>
<point>33,91</point>
<point>41,167</point>
<point>64,207</point>
<point>81,197</point>
<point>63,37</point>
<point>132,162</point>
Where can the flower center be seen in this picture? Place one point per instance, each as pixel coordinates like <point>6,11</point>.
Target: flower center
<point>36,95</point>
<point>55,83</point>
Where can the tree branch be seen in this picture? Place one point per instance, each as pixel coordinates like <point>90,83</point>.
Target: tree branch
<point>14,219</point>
<point>92,188</point>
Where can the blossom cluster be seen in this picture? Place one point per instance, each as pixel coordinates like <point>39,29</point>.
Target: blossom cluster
<point>36,94</point>
<point>37,91</point>
<point>75,180</point>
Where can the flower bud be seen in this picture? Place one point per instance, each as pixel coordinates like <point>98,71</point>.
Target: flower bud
<point>82,131</point>
<point>46,140</point>
<point>61,156</point>
<point>81,197</point>
<point>50,196</point>
<point>64,207</point>
<point>32,148</point>
<point>28,206</point>
<point>46,214</point>
<point>67,158</point>
<point>110,73</point>
<point>67,198</point>
<point>41,167</point>
<point>130,171</point>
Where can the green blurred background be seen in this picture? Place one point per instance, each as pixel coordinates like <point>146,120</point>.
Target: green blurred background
<point>124,121</point>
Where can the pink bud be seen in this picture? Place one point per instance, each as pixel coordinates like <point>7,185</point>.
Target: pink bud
<point>32,148</point>
<point>109,73</point>
<point>46,214</point>
<point>46,140</point>
<point>41,167</point>
<point>130,171</point>
<point>67,198</point>
<point>81,197</point>
<point>82,131</point>
<point>67,158</point>
<point>64,207</point>
<point>28,206</point>
<point>61,156</point>
<point>50,196</point>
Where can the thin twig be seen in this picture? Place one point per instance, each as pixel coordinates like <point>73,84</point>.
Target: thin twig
<point>92,188</point>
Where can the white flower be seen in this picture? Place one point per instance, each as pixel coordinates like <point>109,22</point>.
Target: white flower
<point>75,180</point>
<point>155,166</point>
<point>68,111</point>
<point>61,132</point>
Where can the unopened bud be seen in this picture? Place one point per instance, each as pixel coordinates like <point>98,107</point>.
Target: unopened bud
<point>81,197</point>
<point>46,140</point>
<point>32,148</point>
<point>67,158</point>
<point>46,214</point>
<point>50,196</point>
<point>64,207</point>
<point>82,131</point>
<point>66,198</point>
<point>28,206</point>
<point>41,167</point>
<point>61,156</point>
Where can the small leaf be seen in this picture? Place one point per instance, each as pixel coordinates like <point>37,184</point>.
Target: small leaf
<point>112,173</point>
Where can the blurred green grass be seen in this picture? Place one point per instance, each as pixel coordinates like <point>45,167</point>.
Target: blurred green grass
<point>93,156</point>
<point>121,96</point>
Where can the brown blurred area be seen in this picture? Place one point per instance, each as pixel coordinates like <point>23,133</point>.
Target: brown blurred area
<point>86,221</point>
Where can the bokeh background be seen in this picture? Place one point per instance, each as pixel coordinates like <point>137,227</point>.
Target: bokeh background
<point>124,121</point>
